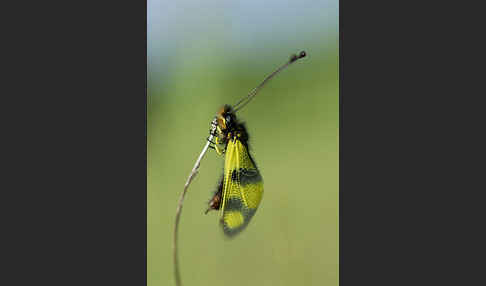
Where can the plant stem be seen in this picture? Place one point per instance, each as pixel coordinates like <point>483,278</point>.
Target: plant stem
<point>181,201</point>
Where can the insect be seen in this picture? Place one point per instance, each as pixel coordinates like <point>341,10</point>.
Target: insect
<point>240,189</point>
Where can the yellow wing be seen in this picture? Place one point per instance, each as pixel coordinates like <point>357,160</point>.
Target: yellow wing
<point>242,188</point>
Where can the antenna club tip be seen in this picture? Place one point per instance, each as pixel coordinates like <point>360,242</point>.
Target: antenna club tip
<point>295,57</point>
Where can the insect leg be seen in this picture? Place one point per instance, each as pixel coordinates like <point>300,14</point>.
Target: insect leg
<point>210,141</point>
<point>212,131</point>
<point>220,151</point>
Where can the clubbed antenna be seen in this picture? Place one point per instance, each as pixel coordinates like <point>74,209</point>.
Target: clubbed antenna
<point>245,100</point>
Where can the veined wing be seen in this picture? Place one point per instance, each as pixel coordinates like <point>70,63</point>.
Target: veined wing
<point>242,188</point>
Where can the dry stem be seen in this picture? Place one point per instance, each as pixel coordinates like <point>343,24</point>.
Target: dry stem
<point>181,200</point>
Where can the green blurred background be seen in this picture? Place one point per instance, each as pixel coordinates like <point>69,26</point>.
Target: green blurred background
<point>202,55</point>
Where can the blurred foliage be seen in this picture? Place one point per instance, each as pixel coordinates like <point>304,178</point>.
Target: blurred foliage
<point>293,124</point>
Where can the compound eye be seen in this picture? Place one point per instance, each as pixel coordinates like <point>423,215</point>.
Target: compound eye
<point>228,120</point>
